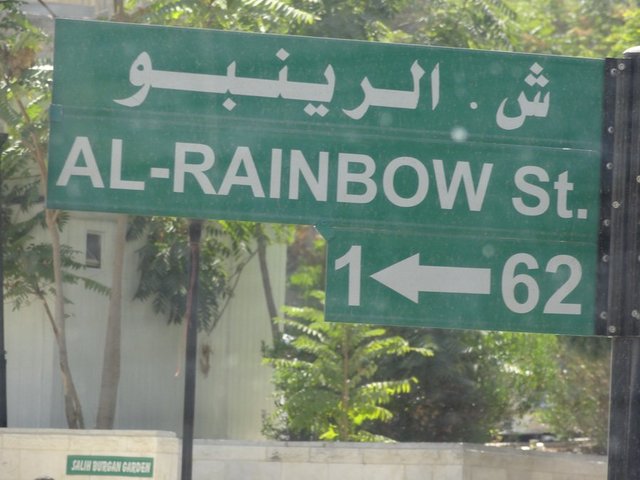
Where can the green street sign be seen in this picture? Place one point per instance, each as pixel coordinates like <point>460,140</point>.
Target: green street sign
<point>478,282</point>
<point>481,151</point>
<point>109,466</point>
<point>287,129</point>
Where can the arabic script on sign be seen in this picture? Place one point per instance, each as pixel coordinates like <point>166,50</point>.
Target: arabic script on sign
<point>536,107</point>
<point>142,74</point>
<point>380,97</point>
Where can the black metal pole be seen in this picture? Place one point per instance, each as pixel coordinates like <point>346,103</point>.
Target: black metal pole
<point>624,285</point>
<point>195,232</point>
<point>624,418</point>
<point>3,353</point>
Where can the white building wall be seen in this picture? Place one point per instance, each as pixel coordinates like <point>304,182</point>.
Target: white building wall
<point>30,365</point>
<point>227,397</point>
<point>230,397</point>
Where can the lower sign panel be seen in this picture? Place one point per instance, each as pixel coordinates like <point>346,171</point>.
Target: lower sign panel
<point>461,281</point>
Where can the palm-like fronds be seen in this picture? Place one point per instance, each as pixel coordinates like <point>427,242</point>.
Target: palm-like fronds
<point>326,376</point>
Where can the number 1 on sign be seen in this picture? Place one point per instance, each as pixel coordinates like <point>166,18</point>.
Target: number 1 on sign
<point>353,258</point>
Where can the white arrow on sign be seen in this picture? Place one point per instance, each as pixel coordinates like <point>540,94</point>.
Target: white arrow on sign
<point>409,278</point>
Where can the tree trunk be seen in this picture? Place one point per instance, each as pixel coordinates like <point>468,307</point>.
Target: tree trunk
<point>266,284</point>
<point>72,407</point>
<point>118,8</point>
<point>112,344</point>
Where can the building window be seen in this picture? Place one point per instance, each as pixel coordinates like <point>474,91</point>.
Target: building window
<point>93,256</point>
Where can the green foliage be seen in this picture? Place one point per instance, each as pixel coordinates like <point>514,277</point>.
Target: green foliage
<point>164,259</point>
<point>351,19</point>
<point>571,27</point>
<point>469,23</point>
<point>248,15</point>
<point>25,94</point>
<point>20,41</point>
<point>357,19</point>
<point>33,261</point>
<point>577,403</point>
<point>471,388</point>
<point>526,363</point>
<point>326,378</point>
<point>478,383</point>
<point>624,34</point>
<point>456,23</point>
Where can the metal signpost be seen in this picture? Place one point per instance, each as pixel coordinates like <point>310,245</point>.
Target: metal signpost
<point>621,153</point>
<point>456,188</point>
<point>3,355</point>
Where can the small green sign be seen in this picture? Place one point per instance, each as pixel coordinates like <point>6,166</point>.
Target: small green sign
<point>110,466</point>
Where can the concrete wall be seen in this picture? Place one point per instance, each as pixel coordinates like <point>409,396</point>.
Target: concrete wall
<point>28,454</point>
<point>230,460</point>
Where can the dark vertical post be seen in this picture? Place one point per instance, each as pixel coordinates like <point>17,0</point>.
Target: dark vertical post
<point>624,285</point>
<point>624,418</point>
<point>3,357</point>
<point>195,232</point>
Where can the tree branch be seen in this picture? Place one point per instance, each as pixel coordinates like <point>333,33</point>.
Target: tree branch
<point>47,8</point>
